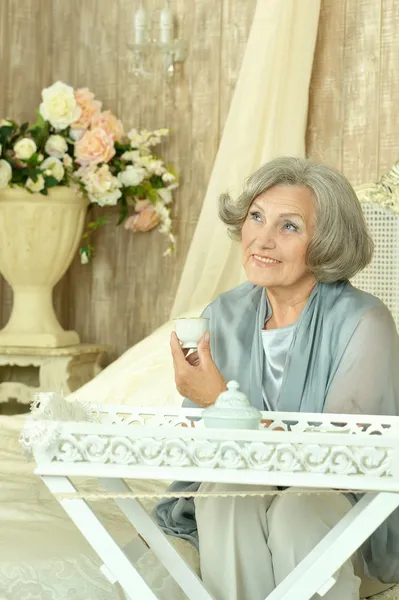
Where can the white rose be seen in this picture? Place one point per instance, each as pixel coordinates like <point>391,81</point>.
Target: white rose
<point>53,167</point>
<point>108,199</point>
<point>59,106</point>
<point>56,145</point>
<point>5,173</point>
<point>24,148</point>
<point>35,186</point>
<point>131,176</point>
<point>84,259</point>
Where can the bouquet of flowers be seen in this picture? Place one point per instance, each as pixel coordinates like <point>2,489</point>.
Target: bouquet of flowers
<point>74,143</point>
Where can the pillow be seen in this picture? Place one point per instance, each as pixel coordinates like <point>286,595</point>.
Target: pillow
<point>142,376</point>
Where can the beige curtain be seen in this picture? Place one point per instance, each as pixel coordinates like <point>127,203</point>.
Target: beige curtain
<point>267,118</point>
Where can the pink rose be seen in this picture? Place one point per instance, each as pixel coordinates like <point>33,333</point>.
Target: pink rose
<point>143,221</point>
<point>111,125</point>
<point>94,147</point>
<point>90,108</point>
<point>142,204</point>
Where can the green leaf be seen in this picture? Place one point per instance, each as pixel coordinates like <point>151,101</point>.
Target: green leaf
<point>122,210</point>
<point>40,122</point>
<point>50,181</point>
<point>44,192</point>
<point>18,176</point>
<point>24,127</point>
<point>33,175</point>
<point>40,131</point>
<point>33,160</point>
<point>94,225</point>
<point>152,195</point>
<point>156,182</point>
<point>121,148</point>
<point>5,134</point>
<point>141,191</point>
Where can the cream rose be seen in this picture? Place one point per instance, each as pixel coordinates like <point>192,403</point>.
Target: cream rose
<point>131,156</point>
<point>59,106</point>
<point>94,147</point>
<point>108,199</point>
<point>67,160</point>
<point>101,186</point>
<point>24,148</point>
<point>35,186</point>
<point>111,125</point>
<point>53,167</point>
<point>131,176</point>
<point>140,205</point>
<point>56,145</point>
<point>153,166</point>
<point>168,178</point>
<point>165,194</point>
<point>5,173</point>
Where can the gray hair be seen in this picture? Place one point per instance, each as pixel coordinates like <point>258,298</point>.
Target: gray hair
<point>341,245</point>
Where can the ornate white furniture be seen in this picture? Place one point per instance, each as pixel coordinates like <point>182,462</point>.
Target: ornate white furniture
<point>27,370</point>
<point>115,443</point>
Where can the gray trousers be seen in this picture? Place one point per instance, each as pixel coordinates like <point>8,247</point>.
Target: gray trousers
<point>248,545</point>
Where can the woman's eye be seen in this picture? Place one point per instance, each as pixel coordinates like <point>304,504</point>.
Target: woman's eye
<point>255,216</point>
<point>290,226</point>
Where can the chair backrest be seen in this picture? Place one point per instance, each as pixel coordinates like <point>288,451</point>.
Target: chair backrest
<point>380,203</point>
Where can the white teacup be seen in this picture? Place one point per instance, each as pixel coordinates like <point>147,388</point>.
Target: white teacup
<point>190,330</point>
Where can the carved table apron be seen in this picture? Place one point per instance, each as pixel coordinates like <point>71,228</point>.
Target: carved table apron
<point>337,452</point>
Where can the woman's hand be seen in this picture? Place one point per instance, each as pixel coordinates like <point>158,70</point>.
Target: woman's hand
<point>196,376</point>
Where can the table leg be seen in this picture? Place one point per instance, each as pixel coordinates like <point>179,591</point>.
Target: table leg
<point>100,540</point>
<point>191,585</point>
<point>315,572</point>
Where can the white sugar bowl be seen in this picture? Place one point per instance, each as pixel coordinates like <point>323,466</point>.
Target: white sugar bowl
<point>232,410</point>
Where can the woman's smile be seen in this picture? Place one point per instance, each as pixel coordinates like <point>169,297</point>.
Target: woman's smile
<point>264,261</point>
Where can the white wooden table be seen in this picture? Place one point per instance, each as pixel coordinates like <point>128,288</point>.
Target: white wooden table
<point>313,451</point>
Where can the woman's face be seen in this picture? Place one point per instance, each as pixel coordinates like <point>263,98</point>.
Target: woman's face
<point>276,235</point>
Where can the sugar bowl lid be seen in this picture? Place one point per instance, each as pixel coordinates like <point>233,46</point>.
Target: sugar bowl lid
<point>232,404</point>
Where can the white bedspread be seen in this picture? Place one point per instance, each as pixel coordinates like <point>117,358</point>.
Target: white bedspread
<point>42,554</point>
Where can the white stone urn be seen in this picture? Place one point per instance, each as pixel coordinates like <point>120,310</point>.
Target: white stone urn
<point>39,236</point>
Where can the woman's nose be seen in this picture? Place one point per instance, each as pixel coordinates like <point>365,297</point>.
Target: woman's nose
<point>267,238</point>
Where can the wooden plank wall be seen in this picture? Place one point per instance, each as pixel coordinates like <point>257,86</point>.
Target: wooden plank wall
<point>129,288</point>
<point>353,123</point>
<point>353,120</point>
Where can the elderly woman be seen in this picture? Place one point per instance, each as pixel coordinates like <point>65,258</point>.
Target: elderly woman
<point>298,337</point>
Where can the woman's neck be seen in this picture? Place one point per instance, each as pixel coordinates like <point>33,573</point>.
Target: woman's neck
<point>287,304</point>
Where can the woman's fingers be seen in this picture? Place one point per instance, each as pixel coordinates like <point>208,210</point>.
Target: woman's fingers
<point>178,356</point>
<point>193,359</point>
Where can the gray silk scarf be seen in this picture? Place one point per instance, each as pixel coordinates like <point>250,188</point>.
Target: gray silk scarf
<point>321,336</point>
